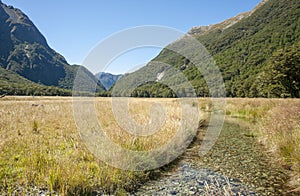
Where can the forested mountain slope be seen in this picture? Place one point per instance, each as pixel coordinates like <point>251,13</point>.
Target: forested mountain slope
<point>257,53</point>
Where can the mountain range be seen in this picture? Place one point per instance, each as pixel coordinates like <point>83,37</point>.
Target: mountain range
<point>257,53</point>
<point>27,61</point>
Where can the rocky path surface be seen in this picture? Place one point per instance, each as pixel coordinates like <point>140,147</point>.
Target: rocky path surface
<point>190,180</point>
<point>236,165</point>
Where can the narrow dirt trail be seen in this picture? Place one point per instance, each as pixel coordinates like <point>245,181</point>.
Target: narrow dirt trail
<point>236,165</point>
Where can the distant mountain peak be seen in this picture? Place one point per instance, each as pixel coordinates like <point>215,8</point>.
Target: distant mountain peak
<point>20,26</point>
<point>108,79</point>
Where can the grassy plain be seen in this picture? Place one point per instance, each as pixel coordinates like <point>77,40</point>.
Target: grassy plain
<point>40,145</point>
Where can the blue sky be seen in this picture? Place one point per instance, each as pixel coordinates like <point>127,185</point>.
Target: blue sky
<point>74,27</point>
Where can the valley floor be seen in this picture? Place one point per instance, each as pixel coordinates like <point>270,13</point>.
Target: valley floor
<point>256,153</point>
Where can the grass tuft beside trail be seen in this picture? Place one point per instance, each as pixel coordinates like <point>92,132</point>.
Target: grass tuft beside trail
<point>277,126</point>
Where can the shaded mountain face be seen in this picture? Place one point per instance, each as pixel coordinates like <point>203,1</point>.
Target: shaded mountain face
<point>108,79</point>
<point>12,83</point>
<point>24,50</point>
<point>244,48</point>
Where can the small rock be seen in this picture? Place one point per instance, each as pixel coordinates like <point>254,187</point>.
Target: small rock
<point>260,189</point>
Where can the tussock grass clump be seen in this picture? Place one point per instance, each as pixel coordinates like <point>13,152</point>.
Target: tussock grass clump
<point>251,109</point>
<point>277,127</point>
<point>280,132</point>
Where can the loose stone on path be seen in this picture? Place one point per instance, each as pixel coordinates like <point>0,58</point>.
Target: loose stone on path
<point>189,180</point>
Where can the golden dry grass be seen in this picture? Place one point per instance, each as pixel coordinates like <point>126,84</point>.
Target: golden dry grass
<point>277,127</point>
<point>40,145</point>
<point>279,131</point>
<point>139,110</point>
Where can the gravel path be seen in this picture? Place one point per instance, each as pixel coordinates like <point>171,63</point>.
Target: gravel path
<point>190,180</point>
<point>237,165</point>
